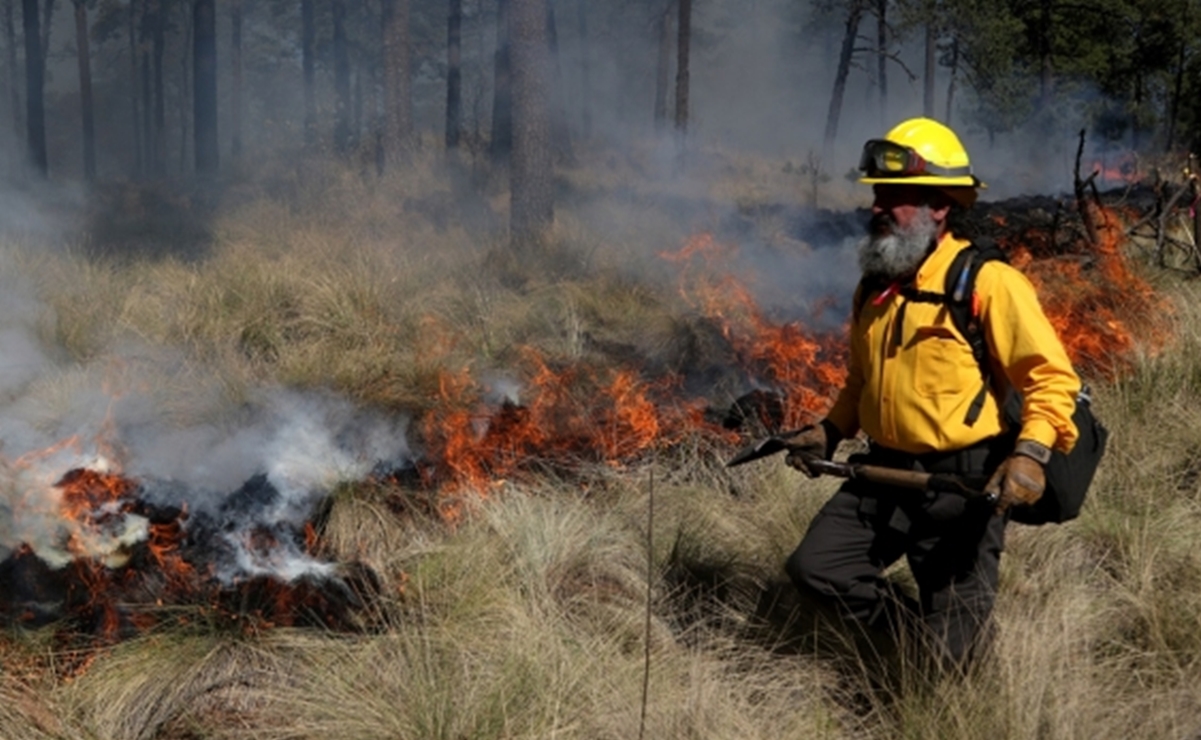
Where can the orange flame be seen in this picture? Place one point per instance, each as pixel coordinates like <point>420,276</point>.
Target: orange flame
<point>806,367</point>
<point>1124,169</point>
<point>1102,310</point>
<point>574,414</point>
<point>87,494</point>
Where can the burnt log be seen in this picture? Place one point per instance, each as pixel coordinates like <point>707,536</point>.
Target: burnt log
<point>1081,204</point>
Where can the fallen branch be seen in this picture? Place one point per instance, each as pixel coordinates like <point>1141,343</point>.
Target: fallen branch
<point>1085,216</point>
<point>1162,230</point>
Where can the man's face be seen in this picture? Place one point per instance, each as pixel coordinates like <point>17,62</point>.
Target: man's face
<point>896,206</point>
<point>902,231</point>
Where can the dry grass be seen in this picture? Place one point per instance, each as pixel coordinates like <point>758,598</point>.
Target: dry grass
<point>525,619</point>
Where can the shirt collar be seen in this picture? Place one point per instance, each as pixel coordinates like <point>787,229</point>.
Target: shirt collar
<point>935,266</point>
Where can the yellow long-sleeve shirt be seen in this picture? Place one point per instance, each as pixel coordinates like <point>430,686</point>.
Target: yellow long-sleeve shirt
<point>914,395</point>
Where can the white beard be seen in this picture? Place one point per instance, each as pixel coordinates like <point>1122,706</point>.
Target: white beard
<point>899,252</point>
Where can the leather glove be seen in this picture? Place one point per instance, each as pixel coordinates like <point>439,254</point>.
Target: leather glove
<point>814,442</point>
<point>1021,478</point>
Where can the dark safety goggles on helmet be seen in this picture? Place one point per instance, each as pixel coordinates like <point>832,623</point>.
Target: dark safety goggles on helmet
<point>884,158</point>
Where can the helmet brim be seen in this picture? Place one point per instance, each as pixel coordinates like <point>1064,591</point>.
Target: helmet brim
<point>969,181</point>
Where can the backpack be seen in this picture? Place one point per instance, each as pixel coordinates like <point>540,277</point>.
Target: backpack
<point>1068,475</point>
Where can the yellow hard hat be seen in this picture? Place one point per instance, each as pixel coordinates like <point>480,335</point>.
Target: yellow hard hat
<point>919,151</point>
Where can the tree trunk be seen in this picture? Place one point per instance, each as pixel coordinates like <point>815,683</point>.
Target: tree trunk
<point>501,143</point>
<point>185,100</point>
<point>356,115</point>
<point>147,106</point>
<point>928,80</point>
<point>954,74</point>
<point>398,96</point>
<point>308,51</point>
<point>585,70</point>
<point>1135,132</point>
<point>46,23</point>
<point>14,85</point>
<point>204,86</point>
<point>559,133</point>
<point>882,55</point>
<point>854,14</point>
<point>683,46</point>
<point>235,81</point>
<point>663,67</point>
<point>341,80</point>
<point>454,73</point>
<point>85,90</point>
<point>135,100</point>
<point>1174,104</point>
<point>35,111</point>
<point>159,31</point>
<point>1046,84</point>
<point>531,209</point>
<point>379,115</point>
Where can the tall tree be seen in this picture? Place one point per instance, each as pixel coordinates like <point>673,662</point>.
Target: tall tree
<point>146,86</point>
<point>46,24</point>
<point>135,100</point>
<point>308,53</point>
<point>158,31</point>
<point>663,65</point>
<point>398,96</point>
<point>186,78</point>
<point>531,209</point>
<point>585,69</point>
<point>954,73</point>
<point>454,73</point>
<point>84,56</point>
<point>204,86</point>
<point>560,132</point>
<point>845,55</point>
<point>342,103</point>
<point>501,141</point>
<point>882,56</point>
<point>1045,46</point>
<point>1178,85</point>
<point>929,67</point>
<point>683,49</point>
<point>14,85</point>
<point>235,78</point>
<point>35,111</point>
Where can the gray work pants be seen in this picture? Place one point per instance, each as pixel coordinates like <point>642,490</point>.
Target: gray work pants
<point>953,547</point>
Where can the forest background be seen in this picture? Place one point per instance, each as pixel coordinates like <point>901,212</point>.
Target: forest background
<point>126,89</point>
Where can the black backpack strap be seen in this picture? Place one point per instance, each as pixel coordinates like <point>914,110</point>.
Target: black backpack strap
<point>961,304</point>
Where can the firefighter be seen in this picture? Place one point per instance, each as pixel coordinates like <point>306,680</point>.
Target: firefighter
<point>915,390</point>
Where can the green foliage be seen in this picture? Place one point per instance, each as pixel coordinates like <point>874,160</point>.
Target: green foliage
<point>1113,62</point>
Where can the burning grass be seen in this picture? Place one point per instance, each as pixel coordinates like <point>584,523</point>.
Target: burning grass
<point>1105,312</point>
<point>569,394</point>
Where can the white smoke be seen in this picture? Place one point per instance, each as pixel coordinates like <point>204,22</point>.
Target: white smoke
<point>199,454</point>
